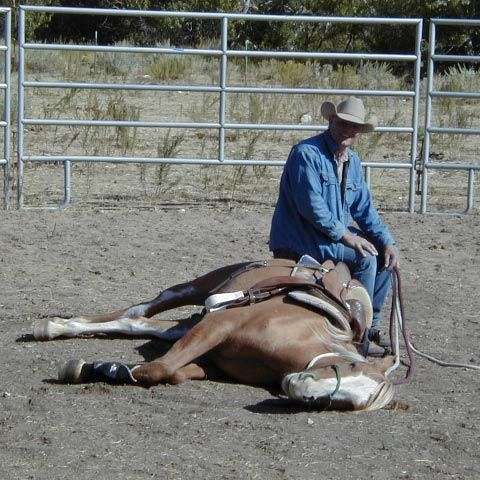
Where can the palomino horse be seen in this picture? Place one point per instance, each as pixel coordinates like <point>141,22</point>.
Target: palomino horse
<point>270,340</point>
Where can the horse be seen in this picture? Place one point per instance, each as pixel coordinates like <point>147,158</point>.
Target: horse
<point>252,330</point>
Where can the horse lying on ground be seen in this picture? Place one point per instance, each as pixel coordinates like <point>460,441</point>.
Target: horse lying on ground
<point>254,330</point>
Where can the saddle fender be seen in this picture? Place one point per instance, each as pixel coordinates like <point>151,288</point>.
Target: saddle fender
<point>356,291</point>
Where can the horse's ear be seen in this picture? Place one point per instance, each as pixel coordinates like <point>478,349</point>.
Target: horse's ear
<point>383,364</point>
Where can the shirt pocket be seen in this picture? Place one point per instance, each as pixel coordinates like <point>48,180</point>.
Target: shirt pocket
<point>351,192</point>
<point>329,182</point>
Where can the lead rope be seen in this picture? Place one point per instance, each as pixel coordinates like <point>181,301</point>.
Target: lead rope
<point>397,323</point>
<point>400,325</point>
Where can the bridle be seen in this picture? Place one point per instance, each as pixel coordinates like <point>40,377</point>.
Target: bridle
<point>335,368</point>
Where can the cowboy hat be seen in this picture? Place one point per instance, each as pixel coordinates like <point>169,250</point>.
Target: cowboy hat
<point>352,110</point>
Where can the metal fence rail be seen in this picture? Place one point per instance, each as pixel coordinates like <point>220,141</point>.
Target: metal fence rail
<point>222,124</point>
<point>427,163</point>
<point>5,123</point>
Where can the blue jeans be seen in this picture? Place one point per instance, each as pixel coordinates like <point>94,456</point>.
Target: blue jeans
<point>370,272</point>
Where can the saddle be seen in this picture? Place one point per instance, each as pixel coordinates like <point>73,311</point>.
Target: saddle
<point>327,287</point>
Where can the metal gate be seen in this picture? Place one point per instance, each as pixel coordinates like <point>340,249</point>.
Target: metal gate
<point>5,124</point>
<point>431,129</point>
<point>223,124</point>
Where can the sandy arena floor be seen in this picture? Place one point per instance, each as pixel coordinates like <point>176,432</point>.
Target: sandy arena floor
<point>93,260</point>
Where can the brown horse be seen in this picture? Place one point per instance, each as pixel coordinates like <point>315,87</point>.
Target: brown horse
<point>275,342</point>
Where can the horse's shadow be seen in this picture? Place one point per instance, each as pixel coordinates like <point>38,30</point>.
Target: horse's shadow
<point>279,406</point>
<point>25,338</point>
<point>154,348</point>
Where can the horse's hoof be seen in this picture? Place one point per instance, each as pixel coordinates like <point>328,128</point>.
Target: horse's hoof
<point>71,371</point>
<point>47,329</point>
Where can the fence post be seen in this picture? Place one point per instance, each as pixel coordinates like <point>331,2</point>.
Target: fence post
<point>416,100</point>
<point>223,92</point>
<point>21,104</point>
<point>428,118</point>
<point>7,171</point>
<point>470,195</point>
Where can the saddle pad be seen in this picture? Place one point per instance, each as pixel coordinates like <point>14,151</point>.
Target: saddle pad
<point>309,262</point>
<point>322,305</point>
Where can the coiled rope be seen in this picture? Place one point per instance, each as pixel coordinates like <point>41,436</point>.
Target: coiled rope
<point>398,324</point>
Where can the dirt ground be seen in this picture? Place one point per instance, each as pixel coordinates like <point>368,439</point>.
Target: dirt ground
<point>89,260</point>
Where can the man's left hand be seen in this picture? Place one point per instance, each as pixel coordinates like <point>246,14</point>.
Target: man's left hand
<point>391,259</point>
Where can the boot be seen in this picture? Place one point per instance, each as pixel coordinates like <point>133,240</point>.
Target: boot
<point>375,350</point>
<point>380,339</point>
<point>79,371</point>
<point>368,349</point>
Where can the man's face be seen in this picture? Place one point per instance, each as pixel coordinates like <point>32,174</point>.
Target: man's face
<point>344,133</point>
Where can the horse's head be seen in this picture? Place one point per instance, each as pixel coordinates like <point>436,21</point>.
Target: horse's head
<point>342,381</point>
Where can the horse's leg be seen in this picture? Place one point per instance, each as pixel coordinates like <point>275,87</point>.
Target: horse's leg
<point>192,371</point>
<point>189,293</point>
<point>194,292</point>
<point>211,331</point>
<point>139,326</point>
<point>78,371</point>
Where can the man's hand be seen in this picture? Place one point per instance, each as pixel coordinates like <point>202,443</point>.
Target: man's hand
<point>359,243</point>
<point>390,256</point>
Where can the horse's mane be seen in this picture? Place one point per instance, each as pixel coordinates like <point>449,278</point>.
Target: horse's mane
<point>349,356</point>
<point>325,331</point>
<point>381,397</point>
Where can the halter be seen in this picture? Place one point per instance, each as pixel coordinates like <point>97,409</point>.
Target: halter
<point>339,378</point>
<point>335,368</point>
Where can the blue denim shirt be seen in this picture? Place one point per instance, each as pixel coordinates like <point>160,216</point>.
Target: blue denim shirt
<point>311,216</point>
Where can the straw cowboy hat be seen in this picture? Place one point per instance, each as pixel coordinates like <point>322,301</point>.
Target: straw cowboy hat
<point>352,110</point>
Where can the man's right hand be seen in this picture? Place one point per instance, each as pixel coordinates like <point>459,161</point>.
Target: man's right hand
<point>360,244</point>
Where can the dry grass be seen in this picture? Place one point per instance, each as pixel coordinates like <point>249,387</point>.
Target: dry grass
<point>165,182</point>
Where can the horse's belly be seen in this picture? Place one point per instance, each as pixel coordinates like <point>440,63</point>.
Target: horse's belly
<point>246,369</point>
<point>272,338</point>
<point>264,351</point>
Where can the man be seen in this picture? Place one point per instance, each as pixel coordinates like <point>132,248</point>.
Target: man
<point>322,189</point>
